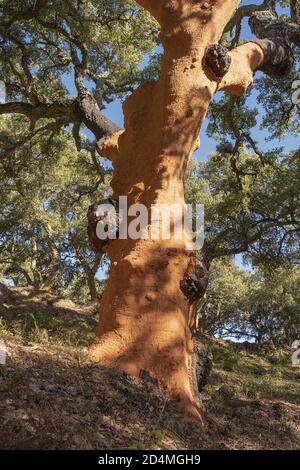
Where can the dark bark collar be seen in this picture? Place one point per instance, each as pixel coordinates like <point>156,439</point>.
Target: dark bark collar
<point>278,56</point>
<point>96,244</point>
<point>217,59</point>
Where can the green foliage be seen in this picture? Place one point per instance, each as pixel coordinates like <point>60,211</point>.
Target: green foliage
<point>37,55</point>
<point>48,51</point>
<point>48,184</point>
<point>261,306</point>
<point>251,196</point>
<point>46,320</point>
<point>226,358</point>
<point>254,375</point>
<point>158,435</point>
<point>251,203</point>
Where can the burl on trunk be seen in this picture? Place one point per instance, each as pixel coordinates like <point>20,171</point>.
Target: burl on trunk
<point>145,313</point>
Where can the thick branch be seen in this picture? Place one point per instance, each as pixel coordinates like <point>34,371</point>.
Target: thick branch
<point>246,11</point>
<point>264,24</point>
<point>269,55</point>
<point>244,60</point>
<point>83,109</point>
<point>278,59</point>
<point>87,111</point>
<point>38,111</point>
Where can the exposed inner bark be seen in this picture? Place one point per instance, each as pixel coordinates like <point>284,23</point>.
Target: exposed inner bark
<point>145,316</point>
<point>148,308</point>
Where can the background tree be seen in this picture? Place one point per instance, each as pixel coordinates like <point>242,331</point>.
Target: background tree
<point>260,307</point>
<point>46,48</point>
<point>47,187</point>
<point>251,204</point>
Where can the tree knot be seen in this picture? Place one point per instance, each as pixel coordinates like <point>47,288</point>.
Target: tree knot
<point>218,60</point>
<point>195,281</point>
<point>106,218</point>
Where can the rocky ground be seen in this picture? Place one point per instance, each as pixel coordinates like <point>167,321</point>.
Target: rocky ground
<point>52,397</point>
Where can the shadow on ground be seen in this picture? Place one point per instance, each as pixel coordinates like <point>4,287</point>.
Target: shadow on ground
<point>52,397</point>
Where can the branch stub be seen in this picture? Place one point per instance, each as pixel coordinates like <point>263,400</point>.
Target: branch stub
<point>218,60</point>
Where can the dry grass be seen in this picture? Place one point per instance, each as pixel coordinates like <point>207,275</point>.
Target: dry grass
<point>53,398</point>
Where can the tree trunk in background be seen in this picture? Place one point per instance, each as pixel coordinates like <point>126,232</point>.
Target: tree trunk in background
<point>92,288</point>
<point>89,271</point>
<point>145,315</point>
<point>55,265</point>
<point>91,282</point>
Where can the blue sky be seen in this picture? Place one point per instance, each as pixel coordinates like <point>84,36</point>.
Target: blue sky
<point>208,145</point>
<point>114,111</point>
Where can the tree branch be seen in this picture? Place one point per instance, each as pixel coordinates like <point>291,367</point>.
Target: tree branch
<point>86,110</point>
<point>243,60</point>
<point>246,11</point>
<point>272,56</point>
<point>83,109</point>
<point>28,14</point>
<point>38,111</point>
<point>265,24</point>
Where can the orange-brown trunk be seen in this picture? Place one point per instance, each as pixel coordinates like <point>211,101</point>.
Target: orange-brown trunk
<point>144,316</point>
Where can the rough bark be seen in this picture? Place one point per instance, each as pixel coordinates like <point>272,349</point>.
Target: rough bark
<point>87,111</point>
<point>265,24</point>
<point>202,365</point>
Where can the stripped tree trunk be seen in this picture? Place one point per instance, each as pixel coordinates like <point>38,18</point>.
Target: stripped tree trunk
<point>146,313</point>
<point>148,308</point>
